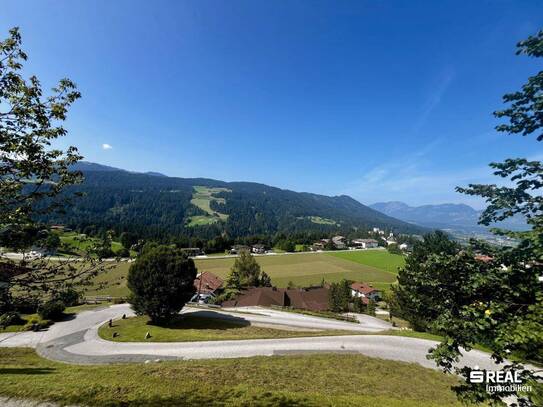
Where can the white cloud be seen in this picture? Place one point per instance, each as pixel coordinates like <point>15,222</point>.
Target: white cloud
<point>106,146</point>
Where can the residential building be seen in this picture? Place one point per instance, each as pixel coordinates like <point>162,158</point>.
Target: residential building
<point>364,243</point>
<point>312,298</point>
<point>258,248</point>
<point>365,291</point>
<point>207,286</point>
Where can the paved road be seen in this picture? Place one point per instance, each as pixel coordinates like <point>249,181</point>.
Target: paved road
<point>77,340</point>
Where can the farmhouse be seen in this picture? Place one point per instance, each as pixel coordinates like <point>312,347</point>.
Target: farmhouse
<point>339,242</point>
<point>207,285</point>
<point>365,291</point>
<point>312,298</point>
<point>364,243</point>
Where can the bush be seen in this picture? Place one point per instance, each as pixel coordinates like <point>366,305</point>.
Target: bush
<point>10,318</point>
<point>51,310</point>
<point>68,297</point>
<point>36,324</point>
<point>124,252</point>
<point>161,282</point>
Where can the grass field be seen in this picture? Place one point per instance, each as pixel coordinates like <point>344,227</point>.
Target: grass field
<point>370,266</point>
<point>202,198</point>
<point>79,243</point>
<point>310,380</point>
<point>380,259</point>
<point>197,328</point>
<point>310,268</point>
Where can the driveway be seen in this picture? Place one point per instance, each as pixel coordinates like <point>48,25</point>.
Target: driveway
<point>77,340</point>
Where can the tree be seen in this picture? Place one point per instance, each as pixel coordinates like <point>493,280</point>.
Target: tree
<point>246,272</point>
<point>393,248</point>
<point>161,281</point>
<point>339,296</point>
<point>33,177</point>
<point>495,300</point>
<point>414,296</point>
<point>128,240</point>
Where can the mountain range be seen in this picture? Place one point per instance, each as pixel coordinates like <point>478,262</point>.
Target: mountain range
<point>155,205</point>
<point>458,217</point>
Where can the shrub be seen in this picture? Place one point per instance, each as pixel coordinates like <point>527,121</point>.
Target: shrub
<point>161,282</point>
<point>69,297</point>
<point>36,324</point>
<point>10,318</point>
<point>52,309</point>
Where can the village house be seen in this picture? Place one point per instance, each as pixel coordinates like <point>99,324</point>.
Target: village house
<point>207,286</point>
<point>339,242</point>
<point>238,248</point>
<point>363,290</point>
<point>364,243</point>
<point>312,298</point>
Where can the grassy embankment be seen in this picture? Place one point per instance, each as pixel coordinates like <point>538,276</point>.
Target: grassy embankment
<point>198,328</point>
<point>315,380</point>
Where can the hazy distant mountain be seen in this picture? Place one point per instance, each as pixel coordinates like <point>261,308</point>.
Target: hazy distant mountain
<point>442,216</point>
<point>86,166</point>
<point>160,206</point>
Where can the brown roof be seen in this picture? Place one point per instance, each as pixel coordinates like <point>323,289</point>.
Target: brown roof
<point>484,258</point>
<point>363,288</point>
<point>210,282</point>
<point>315,299</point>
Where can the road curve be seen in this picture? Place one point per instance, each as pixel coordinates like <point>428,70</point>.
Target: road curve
<point>77,341</point>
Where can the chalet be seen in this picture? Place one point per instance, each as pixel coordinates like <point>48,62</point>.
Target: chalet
<point>258,248</point>
<point>365,291</point>
<point>364,243</point>
<point>312,298</point>
<point>207,285</point>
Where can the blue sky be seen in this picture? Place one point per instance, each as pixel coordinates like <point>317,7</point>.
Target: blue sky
<point>380,100</point>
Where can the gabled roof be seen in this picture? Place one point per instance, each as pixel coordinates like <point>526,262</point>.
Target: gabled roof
<point>210,282</point>
<point>363,288</point>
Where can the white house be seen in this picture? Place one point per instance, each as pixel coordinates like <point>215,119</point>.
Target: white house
<point>365,243</point>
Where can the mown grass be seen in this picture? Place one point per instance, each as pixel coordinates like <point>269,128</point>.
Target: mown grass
<point>315,380</point>
<point>380,259</point>
<point>310,268</point>
<point>303,270</point>
<point>190,327</point>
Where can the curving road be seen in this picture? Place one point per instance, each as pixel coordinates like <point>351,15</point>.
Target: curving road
<point>77,340</point>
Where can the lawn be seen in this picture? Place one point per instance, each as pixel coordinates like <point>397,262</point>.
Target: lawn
<point>310,268</point>
<point>80,243</point>
<point>380,259</point>
<point>198,328</point>
<point>309,380</point>
<point>111,283</point>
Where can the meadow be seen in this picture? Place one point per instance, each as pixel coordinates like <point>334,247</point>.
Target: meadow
<point>377,267</point>
<point>202,198</point>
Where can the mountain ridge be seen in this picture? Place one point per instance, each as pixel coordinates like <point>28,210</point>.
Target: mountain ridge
<point>159,206</point>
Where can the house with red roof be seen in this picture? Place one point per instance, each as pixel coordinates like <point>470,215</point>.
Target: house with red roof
<point>363,290</point>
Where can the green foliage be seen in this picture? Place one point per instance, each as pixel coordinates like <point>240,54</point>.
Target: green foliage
<point>161,282</point>
<point>339,296</point>
<point>33,174</point>
<point>524,112</point>
<point>246,272</point>
<point>496,301</point>
<point>52,309</point>
<point>415,296</point>
<point>69,297</point>
<point>393,248</point>
<point>9,318</point>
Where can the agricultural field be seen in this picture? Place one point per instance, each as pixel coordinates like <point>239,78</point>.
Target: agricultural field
<point>380,259</point>
<point>202,198</point>
<point>376,267</point>
<point>311,268</point>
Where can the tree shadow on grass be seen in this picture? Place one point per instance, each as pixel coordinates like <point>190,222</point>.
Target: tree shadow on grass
<point>26,370</point>
<point>203,320</point>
